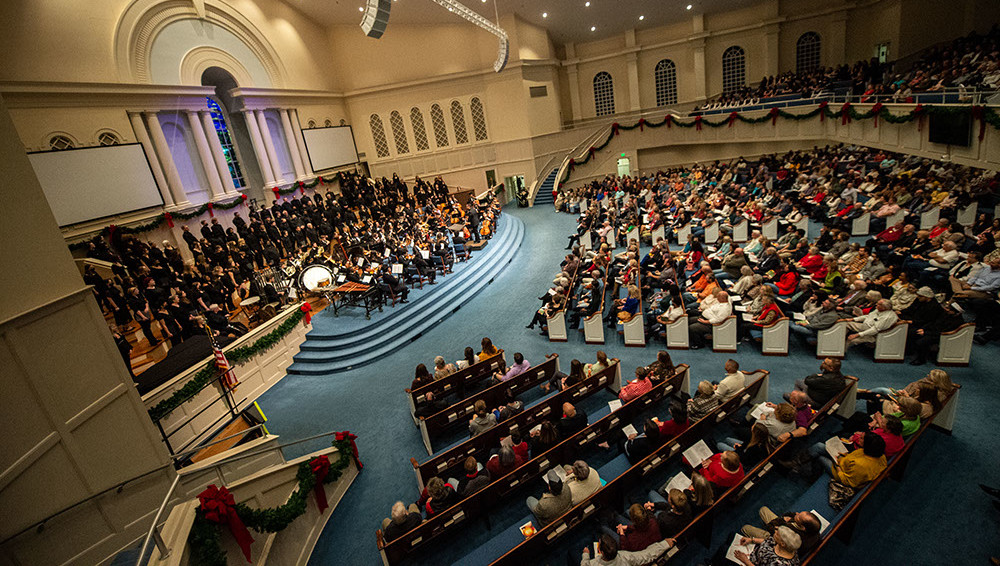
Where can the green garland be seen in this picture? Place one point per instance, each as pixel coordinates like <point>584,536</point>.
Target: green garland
<point>236,357</point>
<point>205,537</point>
<point>988,115</point>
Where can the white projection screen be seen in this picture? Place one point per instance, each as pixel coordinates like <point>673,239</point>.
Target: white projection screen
<point>330,147</point>
<point>94,182</point>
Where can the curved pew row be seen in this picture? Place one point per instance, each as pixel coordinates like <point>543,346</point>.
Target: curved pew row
<point>494,395</point>
<point>604,422</point>
<point>456,383</point>
<point>621,478</point>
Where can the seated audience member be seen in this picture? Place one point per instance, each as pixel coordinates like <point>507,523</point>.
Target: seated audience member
<point>401,520</point>
<point>543,438</point>
<point>503,462</point>
<point>519,366</point>
<point>723,470</point>
<point>890,428</point>
<point>674,513</point>
<point>752,451</point>
<point>442,369</point>
<point>644,530</point>
<point>562,381</point>
<point>821,387</point>
<point>610,555</point>
<point>866,327</point>
<point>700,331</point>
<point>778,549</point>
<point>704,401</point>
<point>483,419</point>
<point>573,421</point>
<point>803,523</point>
<point>437,496</point>
<point>488,349</point>
<point>636,447</point>
<point>732,383</point>
<point>981,285</point>
<point>637,387</point>
<point>822,319</point>
<point>858,467</point>
<point>469,358</point>
<point>600,365</point>
<point>662,368</point>
<point>938,379</point>
<point>554,502</point>
<point>520,446</point>
<point>512,407</point>
<point>476,478</point>
<point>582,481</point>
<point>421,377</point>
<point>429,406</point>
<point>678,422</point>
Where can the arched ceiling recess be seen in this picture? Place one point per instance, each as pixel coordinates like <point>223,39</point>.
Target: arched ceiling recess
<point>142,20</point>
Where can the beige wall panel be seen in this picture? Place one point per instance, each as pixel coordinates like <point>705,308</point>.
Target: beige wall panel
<point>871,25</point>
<point>20,502</point>
<point>19,411</point>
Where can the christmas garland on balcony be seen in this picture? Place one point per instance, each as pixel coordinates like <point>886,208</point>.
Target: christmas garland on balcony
<point>846,113</point>
<point>236,356</point>
<point>209,207</point>
<point>218,508</point>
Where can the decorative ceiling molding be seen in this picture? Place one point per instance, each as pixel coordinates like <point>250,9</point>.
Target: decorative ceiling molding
<point>199,59</point>
<point>143,20</point>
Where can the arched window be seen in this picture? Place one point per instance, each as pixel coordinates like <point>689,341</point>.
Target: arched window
<point>226,140</point>
<point>807,50</point>
<point>604,94</point>
<point>665,77</point>
<point>437,121</point>
<point>378,136</point>
<point>108,138</point>
<point>61,142</point>
<point>398,132</point>
<point>478,119</point>
<point>733,68</point>
<point>328,123</point>
<point>311,124</point>
<point>458,120</point>
<point>419,131</point>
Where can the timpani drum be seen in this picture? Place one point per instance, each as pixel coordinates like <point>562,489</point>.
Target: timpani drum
<point>316,278</point>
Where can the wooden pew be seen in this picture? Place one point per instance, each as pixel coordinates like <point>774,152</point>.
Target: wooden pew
<point>456,382</point>
<point>842,523</point>
<point>593,325</point>
<point>612,495</point>
<point>450,461</point>
<point>701,526</point>
<point>479,503</point>
<point>494,396</point>
<point>556,323</point>
<point>634,331</point>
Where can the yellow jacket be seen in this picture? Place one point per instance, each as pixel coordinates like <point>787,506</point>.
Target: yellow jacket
<point>856,469</point>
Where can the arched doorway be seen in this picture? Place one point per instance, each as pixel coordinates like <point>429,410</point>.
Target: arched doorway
<point>232,131</point>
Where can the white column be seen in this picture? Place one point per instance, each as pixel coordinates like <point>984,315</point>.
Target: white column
<point>214,183</point>
<point>771,49</point>
<point>300,141</point>
<point>700,78</point>
<point>272,154</point>
<point>220,158</point>
<point>142,136</point>
<point>631,60</point>
<point>573,74</point>
<point>166,160</point>
<point>258,149</point>
<point>293,148</point>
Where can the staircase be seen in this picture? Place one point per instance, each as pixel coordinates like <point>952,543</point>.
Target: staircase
<point>332,346</point>
<point>544,195</point>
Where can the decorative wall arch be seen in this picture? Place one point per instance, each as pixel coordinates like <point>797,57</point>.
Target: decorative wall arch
<point>143,19</point>
<point>199,59</point>
<point>107,132</point>
<point>46,142</point>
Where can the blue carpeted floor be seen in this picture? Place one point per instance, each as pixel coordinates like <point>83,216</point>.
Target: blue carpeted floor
<point>936,515</point>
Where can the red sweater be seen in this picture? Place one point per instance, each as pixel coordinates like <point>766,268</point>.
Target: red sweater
<point>787,283</point>
<point>718,475</point>
<point>670,429</point>
<point>811,263</point>
<point>635,540</point>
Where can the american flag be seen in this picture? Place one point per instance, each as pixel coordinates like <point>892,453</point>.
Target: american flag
<point>228,375</point>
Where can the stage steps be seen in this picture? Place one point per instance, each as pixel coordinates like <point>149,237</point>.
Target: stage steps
<point>332,348</point>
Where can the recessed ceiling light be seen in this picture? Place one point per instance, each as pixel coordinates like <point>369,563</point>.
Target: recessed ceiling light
<point>586,4</point>
<point>593,28</point>
<point>545,14</point>
<point>642,18</point>
<point>689,6</point>
<point>361,8</point>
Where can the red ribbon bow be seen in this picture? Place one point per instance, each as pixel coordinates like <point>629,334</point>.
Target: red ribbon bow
<point>845,116</point>
<point>590,153</point>
<point>306,307</point>
<point>277,193</point>
<point>614,128</point>
<point>774,115</point>
<point>346,435</point>
<point>210,211</point>
<point>320,466</point>
<point>822,110</point>
<point>219,506</point>
<point>919,112</point>
<point>243,197</point>
<point>169,218</point>
<point>668,120</point>
<point>979,114</point>
<point>642,122</point>
<point>697,123</point>
<point>572,164</point>
<point>875,111</point>
<point>732,118</point>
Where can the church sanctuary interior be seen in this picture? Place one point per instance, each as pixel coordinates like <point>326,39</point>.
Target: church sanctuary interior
<point>499,282</point>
